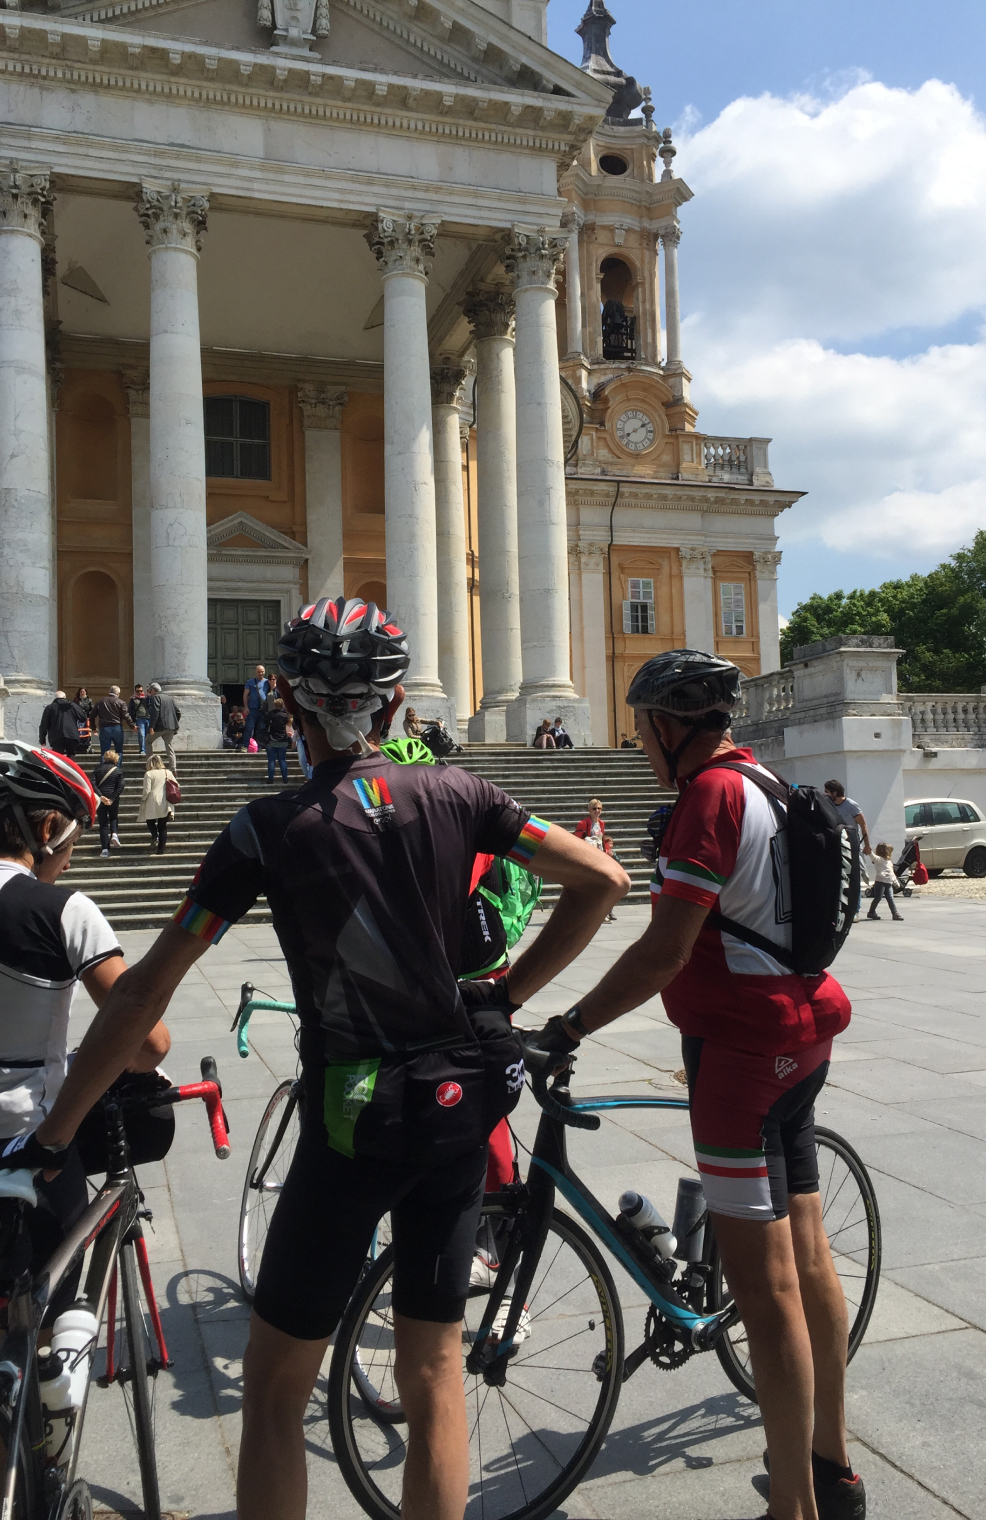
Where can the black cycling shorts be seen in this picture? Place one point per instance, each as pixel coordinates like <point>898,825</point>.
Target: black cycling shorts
<point>753,1124</point>
<point>323,1227</point>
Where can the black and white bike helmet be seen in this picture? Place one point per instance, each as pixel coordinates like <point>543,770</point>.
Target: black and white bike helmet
<point>343,659</point>
<point>32,777</point>
<point>692,687</point>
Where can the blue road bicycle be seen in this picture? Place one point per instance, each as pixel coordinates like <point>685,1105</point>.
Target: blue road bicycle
<point>543,1339</point>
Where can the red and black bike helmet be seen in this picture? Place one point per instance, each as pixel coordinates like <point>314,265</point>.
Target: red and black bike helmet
<point>337,654</point>
<point>32,777</point>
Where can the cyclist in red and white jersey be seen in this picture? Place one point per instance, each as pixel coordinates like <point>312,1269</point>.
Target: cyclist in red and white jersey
<point>756,1043</point>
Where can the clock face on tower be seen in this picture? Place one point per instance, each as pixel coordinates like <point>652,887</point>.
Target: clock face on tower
<point>635,431</point>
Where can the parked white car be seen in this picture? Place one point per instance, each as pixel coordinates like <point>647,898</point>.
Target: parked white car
<point>951,833</point>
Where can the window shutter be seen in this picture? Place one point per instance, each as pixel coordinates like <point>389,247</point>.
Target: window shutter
<point>732,596</point>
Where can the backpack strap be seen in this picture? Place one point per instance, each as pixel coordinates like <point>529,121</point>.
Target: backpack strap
<point>778,790</point>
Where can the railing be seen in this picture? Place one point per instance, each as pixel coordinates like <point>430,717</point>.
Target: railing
<point>764,698</point>
<point>741,461</point>
<point>954,720</point>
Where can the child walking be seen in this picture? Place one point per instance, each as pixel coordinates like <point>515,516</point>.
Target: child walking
<point>884,882</point>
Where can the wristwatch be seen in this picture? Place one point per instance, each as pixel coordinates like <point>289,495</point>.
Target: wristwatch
<point>573,1021</point>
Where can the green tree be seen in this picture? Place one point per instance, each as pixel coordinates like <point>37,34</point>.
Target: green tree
<point>939,620</point>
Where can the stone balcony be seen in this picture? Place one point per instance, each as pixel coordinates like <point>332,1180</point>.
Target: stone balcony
<point>946,720</point>
<point>737,461</point>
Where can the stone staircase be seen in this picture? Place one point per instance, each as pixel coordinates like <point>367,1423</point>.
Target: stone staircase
<point>138,890</point>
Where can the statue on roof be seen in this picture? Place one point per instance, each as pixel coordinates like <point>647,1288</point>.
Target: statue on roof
<point>594,29</point>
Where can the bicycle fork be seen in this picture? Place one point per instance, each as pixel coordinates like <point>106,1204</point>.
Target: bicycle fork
<point>490,1355</point>
<point>113,1373</point>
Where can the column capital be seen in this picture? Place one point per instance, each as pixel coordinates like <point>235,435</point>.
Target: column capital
<point>446,383</point>
<point>321,407</point>
<point>533,258</point>
<point>172,216</point>
<point>696,561</point>
<point>490,313</point>
<point>465,428</point>
<point>583,555</point>
<point>137,384</point>
<point>670,235</point>
<point>25,199</point>
<point>403,243</point>
<point>766,562</point>
<point>573,220</point>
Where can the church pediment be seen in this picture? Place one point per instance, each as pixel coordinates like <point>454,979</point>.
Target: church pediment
<point>458,42</point>
<point>241,538</point>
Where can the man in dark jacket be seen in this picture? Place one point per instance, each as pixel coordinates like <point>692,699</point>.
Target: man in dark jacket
<point>60,725</point>
<point>165,718</point>
<point>112,714</point>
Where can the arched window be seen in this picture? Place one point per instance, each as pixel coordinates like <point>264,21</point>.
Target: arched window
<point>95,642</point>
<point>237,438</point>
<point>618,322</point>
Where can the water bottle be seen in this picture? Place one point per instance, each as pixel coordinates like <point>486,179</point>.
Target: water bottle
<point>688,1210</point>
<point>644,1217</point>
<point>63,1393</point>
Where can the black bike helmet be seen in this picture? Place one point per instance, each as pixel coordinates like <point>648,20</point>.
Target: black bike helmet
<point>339,655</point>
<point>32,777</point>
<point>690,686</point>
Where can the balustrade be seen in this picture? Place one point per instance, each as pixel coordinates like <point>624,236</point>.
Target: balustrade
<point>764,697</point>
<point>956,719</point>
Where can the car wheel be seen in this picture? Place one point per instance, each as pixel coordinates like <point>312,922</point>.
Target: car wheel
<point>975,862</point>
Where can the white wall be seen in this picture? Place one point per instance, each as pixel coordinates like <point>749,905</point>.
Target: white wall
<point>951,773</point>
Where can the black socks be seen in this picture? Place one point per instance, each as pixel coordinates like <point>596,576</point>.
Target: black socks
<point>826,1473</point>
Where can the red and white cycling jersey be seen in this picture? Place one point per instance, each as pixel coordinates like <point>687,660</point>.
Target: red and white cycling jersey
<point>724,849</point>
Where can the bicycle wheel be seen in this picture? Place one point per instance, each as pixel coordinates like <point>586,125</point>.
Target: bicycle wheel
<point>532,1440</point>
<point>852,1222</point>
<point>272,1154</point>
<point>139,1380</point>
<point>26,1505</point>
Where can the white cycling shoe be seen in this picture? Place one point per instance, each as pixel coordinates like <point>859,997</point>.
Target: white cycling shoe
<point>523,1331</point>
<point>483,1271</point>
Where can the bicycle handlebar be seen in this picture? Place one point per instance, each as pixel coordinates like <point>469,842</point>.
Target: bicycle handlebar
<point>541,1065</point>
<point>210,1090</point>
<point>248,1006</point>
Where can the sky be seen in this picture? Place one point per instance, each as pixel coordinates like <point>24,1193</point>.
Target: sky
<point>833,260</point>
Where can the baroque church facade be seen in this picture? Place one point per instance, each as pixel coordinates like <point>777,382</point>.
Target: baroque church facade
<point>381,296</point>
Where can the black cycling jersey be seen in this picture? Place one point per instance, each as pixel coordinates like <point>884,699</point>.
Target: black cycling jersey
<point>367,871</point>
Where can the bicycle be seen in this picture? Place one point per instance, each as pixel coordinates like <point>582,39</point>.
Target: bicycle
<point>543,1340</point>
<point>41,1443</point>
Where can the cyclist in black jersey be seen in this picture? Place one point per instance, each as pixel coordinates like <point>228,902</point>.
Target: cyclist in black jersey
<point>367,871</point>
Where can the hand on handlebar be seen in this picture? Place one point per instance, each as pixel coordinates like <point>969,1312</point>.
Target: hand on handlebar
<point>555,1037</point>
<point>26,1152</point>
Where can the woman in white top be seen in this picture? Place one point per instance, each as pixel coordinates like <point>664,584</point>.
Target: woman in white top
<point>155,810</point>
<point>51,938</point>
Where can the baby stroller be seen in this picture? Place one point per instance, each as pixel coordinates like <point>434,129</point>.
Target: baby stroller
<point>436,737</point>
<point>910,863</point>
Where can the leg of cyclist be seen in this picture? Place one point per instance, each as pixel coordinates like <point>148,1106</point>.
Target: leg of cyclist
<point>428,1371</point>
<point>828,1324</point>
<point>758,1260</point>
<point>279,1373</point>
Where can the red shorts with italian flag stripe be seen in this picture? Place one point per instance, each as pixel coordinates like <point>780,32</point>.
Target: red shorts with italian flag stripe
<point>753,1124</point>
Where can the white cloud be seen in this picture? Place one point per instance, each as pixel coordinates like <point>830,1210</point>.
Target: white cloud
<point>819,224</point>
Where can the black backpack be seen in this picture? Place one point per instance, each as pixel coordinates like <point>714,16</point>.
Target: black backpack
<point>823,856</point>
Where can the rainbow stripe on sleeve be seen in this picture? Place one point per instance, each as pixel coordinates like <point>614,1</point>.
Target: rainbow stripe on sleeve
<point>200,922</point>
<point>529,841</point>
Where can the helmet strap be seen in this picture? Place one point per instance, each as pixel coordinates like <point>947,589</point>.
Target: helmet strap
<point>27,833</point>
<point>671,756</point>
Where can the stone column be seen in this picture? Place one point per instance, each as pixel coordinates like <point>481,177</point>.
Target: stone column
<point>590,630</point>
<point>321,412</point>
<point>490,313</point>
<point>700,625</point>
<point>674,369</point>
<point>136,383</point>
<point>573,220</point>
<point>532,258</point>
<point>766,562</point>
<point>403,246</point>
<point>27,602</point>
<point>173,218</point>
<point>450,537</point>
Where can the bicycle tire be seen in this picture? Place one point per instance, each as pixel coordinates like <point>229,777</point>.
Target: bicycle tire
<point>270,1158</point>
<point>861,1236</point>
<point>26,1495</point>
<point>506,1495</point>
<point>140,1376</point>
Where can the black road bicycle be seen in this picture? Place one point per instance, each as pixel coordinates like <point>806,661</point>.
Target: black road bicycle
<point>543,1339</point>
<point>40,1484</point>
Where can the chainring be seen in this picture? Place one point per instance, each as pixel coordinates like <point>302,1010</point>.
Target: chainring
<point>665,1346</point>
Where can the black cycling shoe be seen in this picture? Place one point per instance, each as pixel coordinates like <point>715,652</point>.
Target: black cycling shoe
<point>842,1500</point>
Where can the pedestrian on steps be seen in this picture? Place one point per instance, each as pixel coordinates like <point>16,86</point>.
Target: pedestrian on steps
<point>884,882</point>
<point>543,737</point>
<point>561,735</point>
<point>112,714</point>
<point>108,781</point>
<point>155,810</point>
<point>165,718</point>
<point>255,694</point>
<point>592,828</point>
<point>279,731</point>
<point>138,708</point>
<point>60,722</point>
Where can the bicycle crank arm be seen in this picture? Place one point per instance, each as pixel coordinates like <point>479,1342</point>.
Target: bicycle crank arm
<point>635,1360</point>
<point>704,1337</point>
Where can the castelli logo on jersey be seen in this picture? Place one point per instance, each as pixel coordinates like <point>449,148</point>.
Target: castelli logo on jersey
<point>448,1094</point>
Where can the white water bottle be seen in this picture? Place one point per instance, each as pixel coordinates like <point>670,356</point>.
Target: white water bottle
<point>645,1218</point>
<point>73,1343</point>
